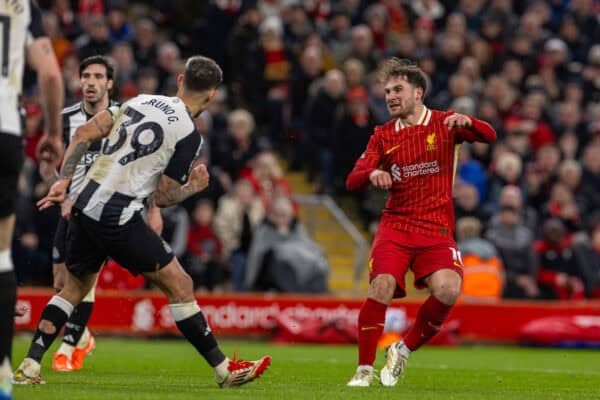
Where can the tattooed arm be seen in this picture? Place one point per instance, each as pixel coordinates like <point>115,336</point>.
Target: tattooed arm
<point>170,192</point>
<point>94,129</point>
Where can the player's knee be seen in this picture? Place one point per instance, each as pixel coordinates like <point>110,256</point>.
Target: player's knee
<point>447,292</point>
<point>382,288</point>
<point>47,327</point>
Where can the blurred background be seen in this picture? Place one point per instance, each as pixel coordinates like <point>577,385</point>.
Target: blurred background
<point>297,107</point>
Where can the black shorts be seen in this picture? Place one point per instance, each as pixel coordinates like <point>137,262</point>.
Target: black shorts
<point>133,245</point>
<point>59,249</point>
<point>11,162</point>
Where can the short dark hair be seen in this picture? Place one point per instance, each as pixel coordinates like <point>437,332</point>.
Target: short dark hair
<point>403,67</point>
<point>201,73</point>
<point>102,60</point>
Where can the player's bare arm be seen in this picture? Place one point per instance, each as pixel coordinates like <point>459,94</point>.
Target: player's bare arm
<point>42,59</point>
<point>170,192</point>
<point>95,129</point>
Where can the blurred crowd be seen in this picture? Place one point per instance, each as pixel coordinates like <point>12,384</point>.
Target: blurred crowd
<point>300,85</point>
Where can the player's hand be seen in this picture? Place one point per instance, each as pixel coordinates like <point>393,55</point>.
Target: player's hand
<point>199,177</point>
<point>381,179</point>
<point>457,120</point>
<point>56,195</point>
<point>50,149</point>
<point>65,208</point>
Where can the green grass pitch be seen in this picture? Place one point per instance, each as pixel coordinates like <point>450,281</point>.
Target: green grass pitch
<point>171,369</point>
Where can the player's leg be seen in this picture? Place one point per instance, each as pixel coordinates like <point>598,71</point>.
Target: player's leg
<point>440,270</point>
<point>77,332</point>
<point>141,250</point>
<point>388,265</point>
<point>11,161</point>
<point>53,318</point>
<point>84,259</point>
<point>77,341</point>
<point>61,361</point>
<point>178,287</point>
<point>8,297</point>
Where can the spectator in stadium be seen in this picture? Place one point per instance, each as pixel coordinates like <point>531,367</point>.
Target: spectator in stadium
<point>337,36</point>
<point>232,152</point>
<point>303,84</point>
<point>320,112</point>
<point>282,256</point>
<point>266,177</point>
<point>559,271</point>
<point>96,40</point>
<point>145,48</point>
<point>238,214</point>
<point>483,278</point>
<point>508,171</point>
<point>362,47</point>
<point>590,179</point>
<point>204,250</point>
<point>352,129</point>
<point>562,205</point>
<point>587,254</point>
<point>466,202</point>
<point>514,242</point>
<point>411,235</point>
<point>120,30</point>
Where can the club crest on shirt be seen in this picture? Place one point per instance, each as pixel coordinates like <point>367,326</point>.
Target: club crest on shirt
<point>430,142</point>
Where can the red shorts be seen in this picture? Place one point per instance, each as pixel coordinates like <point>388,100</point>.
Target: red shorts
<point>394,252</point>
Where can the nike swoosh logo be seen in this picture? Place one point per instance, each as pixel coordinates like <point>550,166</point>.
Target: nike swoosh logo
<point>368,328</point>
<point>391,149</point>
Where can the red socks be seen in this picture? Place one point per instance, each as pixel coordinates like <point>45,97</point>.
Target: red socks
<point>370,326</point>
<point>430,318</point>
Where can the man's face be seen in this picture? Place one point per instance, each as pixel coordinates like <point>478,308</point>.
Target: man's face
<point>401,97</point>
<point>95,85</point>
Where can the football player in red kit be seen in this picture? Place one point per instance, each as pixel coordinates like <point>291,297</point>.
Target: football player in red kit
<point>414,156</point>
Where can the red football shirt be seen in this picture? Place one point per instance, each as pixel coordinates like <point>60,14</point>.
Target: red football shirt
<point>422,161</point>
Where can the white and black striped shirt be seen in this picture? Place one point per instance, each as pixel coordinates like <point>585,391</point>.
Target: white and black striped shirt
<point>20,24</point>
<point>152,135</point>
<point>73,117</point>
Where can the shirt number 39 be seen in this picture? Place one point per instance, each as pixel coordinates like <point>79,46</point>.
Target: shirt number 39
<point>139,149</point>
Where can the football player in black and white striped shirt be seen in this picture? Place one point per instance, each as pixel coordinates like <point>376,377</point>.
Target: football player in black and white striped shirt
<point>149,155</point>
<point>22,39</point>
<point>96,82</point>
